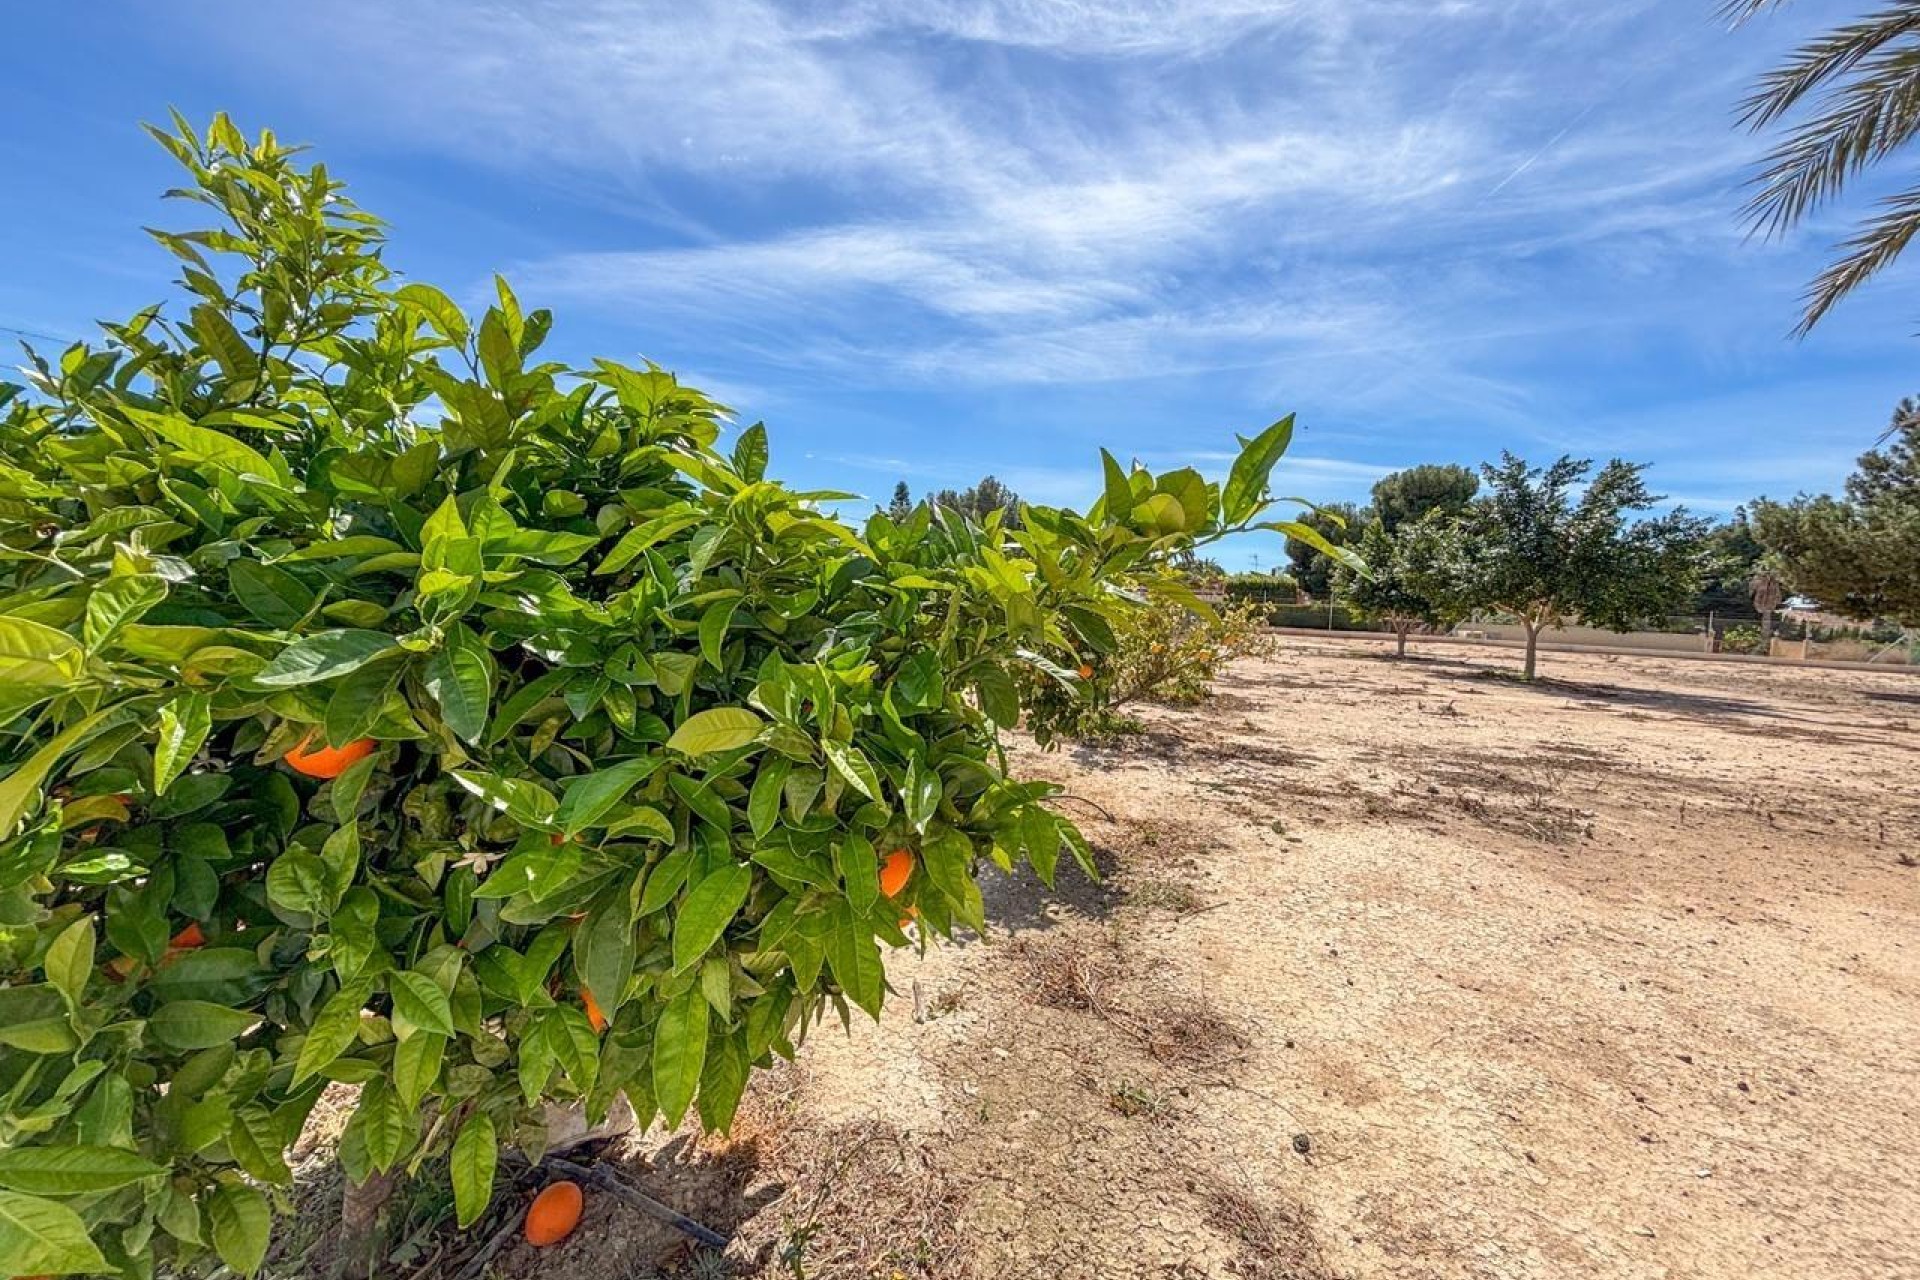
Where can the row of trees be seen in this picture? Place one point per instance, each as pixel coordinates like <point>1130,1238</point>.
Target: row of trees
<point>976,502</point>
<point>1541,543</point>
<point>1547,543</point>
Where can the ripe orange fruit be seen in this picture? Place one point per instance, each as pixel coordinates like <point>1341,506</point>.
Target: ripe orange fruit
<point>327,762</point>
<point>554,1214</point>
<point>188,939</point>
<point>895,872</point>
<point>596,1019</point>
<point>1086,671</point>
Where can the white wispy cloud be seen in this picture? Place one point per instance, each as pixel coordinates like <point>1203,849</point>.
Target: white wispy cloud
<point>1385,205</point>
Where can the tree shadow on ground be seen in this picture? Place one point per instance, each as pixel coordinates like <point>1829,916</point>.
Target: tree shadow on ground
<point>1019,901</point>
<point>1691,705</point>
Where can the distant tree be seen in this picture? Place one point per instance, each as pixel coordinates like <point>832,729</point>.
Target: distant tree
<point>1732,557</point>
<point>1407,496</point>
<point>902,505</point>
<point>982,499</point>
<point>1340,523</point>
<point>1867,108</point>
<point>1859,555</point>
<point>1529,547</point>
<point>1405,583</point>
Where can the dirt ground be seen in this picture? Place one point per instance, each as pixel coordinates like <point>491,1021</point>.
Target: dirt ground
<point>1399,969</point>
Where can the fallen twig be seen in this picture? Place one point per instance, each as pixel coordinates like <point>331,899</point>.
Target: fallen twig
<point>606,1179</point>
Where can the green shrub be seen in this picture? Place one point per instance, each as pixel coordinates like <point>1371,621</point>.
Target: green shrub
<point>616,714</point>
<point>1743,640</point>
<point>1164,652</point>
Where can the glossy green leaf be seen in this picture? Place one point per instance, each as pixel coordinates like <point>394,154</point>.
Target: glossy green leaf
<point>241,1225</point>
<point>460,678</point>
<point>716,729</point>
<point>709,908</point>
<point>72,1171</point>
<point>419,999</point>
<point>198,1024</point>
<point>325,656</point>
<point>679,1053</point>
<point>44,1237</point>
<point>476,1153</point>
<point>182,725</point>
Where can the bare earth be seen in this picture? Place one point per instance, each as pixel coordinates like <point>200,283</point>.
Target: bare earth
<point>1399,969</point>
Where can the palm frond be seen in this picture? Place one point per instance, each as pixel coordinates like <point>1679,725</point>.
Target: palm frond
<point>1738,11</point>
<point>1819,61</point>
<point>1864,120</point>
<point>1876,244</point>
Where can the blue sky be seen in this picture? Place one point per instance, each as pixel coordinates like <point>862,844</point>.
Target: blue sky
<point>932,240</point>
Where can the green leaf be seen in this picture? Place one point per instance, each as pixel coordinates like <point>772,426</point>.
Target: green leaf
<point>709,908</point>
<point>588,797</point>
<point>216,333</point>
<point>419,999</point>
<point>460,678</point>
<point>852,764</point>
<point>713,631</point>
<point>21,788</point>
<point>439,311</point>
<point>269,593</point>
<point>1119,493</point>
<point>750,453</point>
<point>1247,482</point>
<point>334,1028</point>
<point>679,1053</point>
<point>665,880</point>
<point>639,538</point>
<point>526,802</point>
<point>999,696</point>
<point>255,1141</point>
<point>716,729</point>
<point>948,858</point>
<point>118,601</point>
<point>32,653</point>
<point>860,870</point>
<point>416,1066</point>
<point>642,820</point>
<point>241,1225</point>
<point>386,1127</point>
<point>603,949</point>
<point>298,884</point>
<point>763,801</point>
<point>69,960</point>
<point>182,725</point>
<point>919,685</point>
<point>44,1237</point>
<point>722,1081</point>
<point>854,958</point>
<point>476,1154</point>
<point>72,1171</point>
<point>204,445</point>
<point>323,657</point>
<point>197,1024</point>
<point>1161,514</point>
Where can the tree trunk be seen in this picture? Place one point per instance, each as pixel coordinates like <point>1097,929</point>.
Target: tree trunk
<point>1533,641</point>
<point>360,1223</point>
<point>1400,633</point>
<point>1766,626</point>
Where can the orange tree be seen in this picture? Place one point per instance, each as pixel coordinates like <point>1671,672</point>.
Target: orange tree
<point>382,704</point>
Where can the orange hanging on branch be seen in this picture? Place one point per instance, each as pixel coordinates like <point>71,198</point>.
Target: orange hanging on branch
<point>328,762</point>
<point>895,872</point>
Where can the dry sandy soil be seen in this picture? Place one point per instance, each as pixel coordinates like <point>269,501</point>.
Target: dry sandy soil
<point>1399,969</point>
